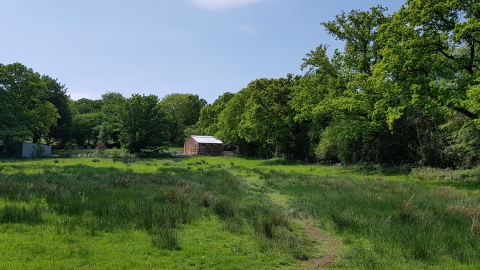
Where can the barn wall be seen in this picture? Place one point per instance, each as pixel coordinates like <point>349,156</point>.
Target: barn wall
<point>28,150</point>
<point>190,147</point>
<point>210,149</point>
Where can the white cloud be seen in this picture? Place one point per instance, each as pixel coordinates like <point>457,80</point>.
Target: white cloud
<point>222,4</point>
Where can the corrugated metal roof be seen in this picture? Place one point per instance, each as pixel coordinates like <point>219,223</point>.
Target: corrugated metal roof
<point>206,139</point>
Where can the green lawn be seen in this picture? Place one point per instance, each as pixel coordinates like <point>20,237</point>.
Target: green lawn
<point>231,213</point>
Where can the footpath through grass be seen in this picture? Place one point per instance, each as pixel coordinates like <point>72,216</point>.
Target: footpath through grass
<point>230,213</point>
<point>139,213</point>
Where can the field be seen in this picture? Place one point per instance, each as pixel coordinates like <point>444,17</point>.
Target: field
<point>232,213</point>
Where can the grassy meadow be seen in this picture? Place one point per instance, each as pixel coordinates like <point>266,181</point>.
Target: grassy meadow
<point>231,213</point>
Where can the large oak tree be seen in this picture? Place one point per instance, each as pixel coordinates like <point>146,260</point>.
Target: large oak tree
<point>27,113</point>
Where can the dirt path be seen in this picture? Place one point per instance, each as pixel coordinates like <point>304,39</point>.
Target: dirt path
<point>328,246</point>
<point>328,241</point>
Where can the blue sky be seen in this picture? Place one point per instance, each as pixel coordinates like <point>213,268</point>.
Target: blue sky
<point>204,47</point>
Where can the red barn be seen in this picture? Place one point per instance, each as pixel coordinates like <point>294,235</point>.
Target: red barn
<point>203,145</point>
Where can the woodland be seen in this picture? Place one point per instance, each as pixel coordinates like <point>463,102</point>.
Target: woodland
<point>404,89</point>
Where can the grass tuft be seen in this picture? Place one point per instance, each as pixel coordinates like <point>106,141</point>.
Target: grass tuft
<point>23,215</point>
<point>207,199</point>
<point>405,209</point>
<point>165,238</point>
<point>225,207</point>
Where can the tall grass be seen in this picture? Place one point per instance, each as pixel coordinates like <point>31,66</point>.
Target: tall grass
<point>389,223</point>
<point>110,197</point>
<point>173,205</point>
<point>24,215</point>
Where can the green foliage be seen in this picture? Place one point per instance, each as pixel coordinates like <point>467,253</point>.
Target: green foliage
<point>426,79</point>
<point>61,131</point>
<point>27,114</point>
<point>350,142</point>
<point>183,111</point>
<point>209,114</point>
<point>85,105</point>
<point>398,80</point>
<point>230,117</point>
<point>359,30</point>
<point>433,65</point>
<point>463,144</point>
<point>109,129</point>
<point>335,97</point>
<point>403,89</point>
<point>84,128</point>
<point>268,118</point>
<point>260,120</point>
<point>142,123</point>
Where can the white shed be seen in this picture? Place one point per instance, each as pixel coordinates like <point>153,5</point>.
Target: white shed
<point>203,145</point>
<point>30,150</point>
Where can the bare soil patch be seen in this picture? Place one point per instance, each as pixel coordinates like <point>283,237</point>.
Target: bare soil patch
<point>328,241</point>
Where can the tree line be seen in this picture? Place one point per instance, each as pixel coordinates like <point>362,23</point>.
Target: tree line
<point>403,89</point>
<point>37,108</point>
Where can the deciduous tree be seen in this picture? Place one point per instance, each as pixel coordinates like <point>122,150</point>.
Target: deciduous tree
<point>85,128</point>
<point>183,111</point>
<point>142,123</point>
<point>28,112</point>
<point>208,120</point>
<point>109,129</point>
<point>61,131</point>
